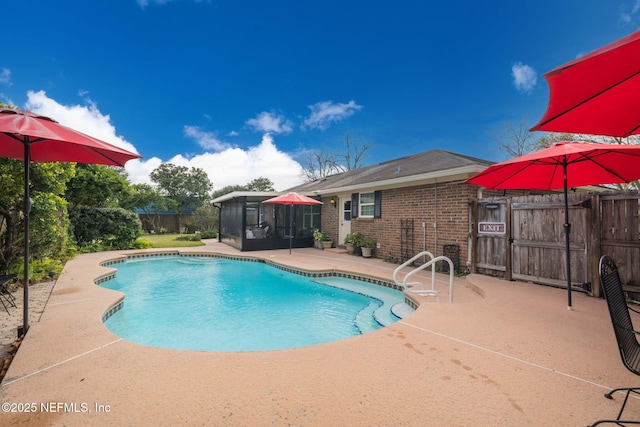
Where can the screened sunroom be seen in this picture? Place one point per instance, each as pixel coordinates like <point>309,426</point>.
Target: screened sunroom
<point>248,224</point>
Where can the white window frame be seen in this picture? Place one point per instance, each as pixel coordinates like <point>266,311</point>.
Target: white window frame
<point>362,204</point>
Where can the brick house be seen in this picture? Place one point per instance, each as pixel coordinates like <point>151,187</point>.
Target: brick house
<point>407,205</point>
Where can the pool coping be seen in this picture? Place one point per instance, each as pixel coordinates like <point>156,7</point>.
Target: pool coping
<point>514,356</point>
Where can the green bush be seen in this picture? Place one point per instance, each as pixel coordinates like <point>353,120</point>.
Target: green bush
<point>189,237</point>
<point>141,243</point>
<point>211,234</point>
<point>113,228</point>
<point>354,238</point>
<point>39,269</point>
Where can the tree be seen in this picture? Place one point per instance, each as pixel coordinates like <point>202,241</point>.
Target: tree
<point>97,185</point>
<point>354,154</point>
<point>149,200</point>
<point>188,188</point>
<point>206,218</point>
<point>260,184</point>
<point>517,140</point>
<point>228,189</point>
<point>321,164</point>
<point>48,216</point>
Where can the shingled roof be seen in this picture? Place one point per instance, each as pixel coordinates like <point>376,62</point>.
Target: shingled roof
<point>429,166</point>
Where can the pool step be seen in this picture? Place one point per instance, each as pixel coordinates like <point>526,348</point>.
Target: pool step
<point>364,320</point>
<point>401,310</point>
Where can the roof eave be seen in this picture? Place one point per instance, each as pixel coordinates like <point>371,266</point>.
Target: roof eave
<point>454,174</point>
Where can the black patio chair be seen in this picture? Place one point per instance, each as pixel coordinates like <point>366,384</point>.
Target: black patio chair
<point>623,328</point>
<point>6,297</point>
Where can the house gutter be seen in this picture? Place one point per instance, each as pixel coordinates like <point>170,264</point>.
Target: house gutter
<point>426,178</point>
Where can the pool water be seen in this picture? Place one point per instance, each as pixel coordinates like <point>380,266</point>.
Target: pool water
<point>200,303</point>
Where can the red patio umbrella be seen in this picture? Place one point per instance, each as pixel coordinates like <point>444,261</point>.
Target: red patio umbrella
<point>30,137</point>
<point>564,165</point>
<point>292,199</point>
<point>597,93</point>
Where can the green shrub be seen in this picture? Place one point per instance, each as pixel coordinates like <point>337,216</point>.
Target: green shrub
<point>39,269</point>
<point>354,238</point>
<point>113,228</point>
<point>211,234</point>
<point>141,243</point>
<point>189,237</point>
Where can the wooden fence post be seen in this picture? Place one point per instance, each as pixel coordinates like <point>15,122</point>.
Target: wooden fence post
<point>508,272</point>
<point>594,249</point>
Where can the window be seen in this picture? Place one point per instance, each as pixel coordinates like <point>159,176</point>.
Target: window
<point>311,217</point>
<point>367,205</point>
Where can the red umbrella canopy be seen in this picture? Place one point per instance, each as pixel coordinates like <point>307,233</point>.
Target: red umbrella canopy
<point>597,93</point>
<point>49,141</point>
<point>30,137</point>
<point>293,199</point>
<point>587,164</point>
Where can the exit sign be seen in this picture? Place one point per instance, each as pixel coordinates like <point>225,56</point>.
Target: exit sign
<point>491,227</point>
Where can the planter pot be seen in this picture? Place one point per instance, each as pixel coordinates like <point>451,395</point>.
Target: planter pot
<point>326,245</point>
<point>366,252</point>
<point>350,248</point>
<point>357,251</point>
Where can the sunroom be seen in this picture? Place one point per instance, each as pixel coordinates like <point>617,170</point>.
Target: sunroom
<point>248,224</point>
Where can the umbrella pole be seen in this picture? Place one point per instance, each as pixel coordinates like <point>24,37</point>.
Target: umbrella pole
<point>26,209</point>
<point>567,231</point>
<point>290,228</point>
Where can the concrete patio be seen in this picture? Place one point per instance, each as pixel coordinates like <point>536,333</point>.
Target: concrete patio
<point>504,353</point>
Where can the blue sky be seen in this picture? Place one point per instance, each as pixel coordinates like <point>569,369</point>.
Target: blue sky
<point>244,89</point>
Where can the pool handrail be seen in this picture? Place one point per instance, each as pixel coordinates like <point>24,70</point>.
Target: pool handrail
<point>410,287</point>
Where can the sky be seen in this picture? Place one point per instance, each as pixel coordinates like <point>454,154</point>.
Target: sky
<point>247,89</point>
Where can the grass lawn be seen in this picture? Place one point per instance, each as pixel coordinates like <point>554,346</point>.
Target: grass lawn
<point>169,241</point>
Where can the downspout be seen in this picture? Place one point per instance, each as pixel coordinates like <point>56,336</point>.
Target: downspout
<point>435,220</point>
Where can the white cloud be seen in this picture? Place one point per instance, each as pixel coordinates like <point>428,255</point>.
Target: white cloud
<point>325,113</point>
<point>524,77</point>
<point>226,166</point>
<point>84,118</point>
<point>5,76</point>
<point>627,17</point>
<point>270,123</point>
<point>207,140</point>
<point>237,166</point>
<point>144,3</point>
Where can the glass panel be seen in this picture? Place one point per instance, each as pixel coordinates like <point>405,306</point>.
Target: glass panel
<point>366,198</point>
<point>347,210</point>
<point>367,205</point>
<point>366,210</point>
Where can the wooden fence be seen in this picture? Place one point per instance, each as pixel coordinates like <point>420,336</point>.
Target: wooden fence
<point>523,238</point>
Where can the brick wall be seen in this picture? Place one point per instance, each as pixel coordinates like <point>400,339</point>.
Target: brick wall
<point>444,204</point>
<point>330,219</point>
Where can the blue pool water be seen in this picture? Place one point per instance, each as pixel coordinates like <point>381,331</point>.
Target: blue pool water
<point>198,303</point>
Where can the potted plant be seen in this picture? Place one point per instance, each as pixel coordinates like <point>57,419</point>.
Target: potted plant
<point>322,239</point>
<point>351,241</point>
<point>368,244</point>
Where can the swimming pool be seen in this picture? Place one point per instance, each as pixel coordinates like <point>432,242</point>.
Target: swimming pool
<point>219,304</point>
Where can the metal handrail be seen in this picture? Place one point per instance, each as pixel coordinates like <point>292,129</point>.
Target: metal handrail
<point>410,286</point>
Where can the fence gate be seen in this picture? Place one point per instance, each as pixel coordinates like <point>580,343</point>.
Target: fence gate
<point>490,236</point>
<point>523,238</point>
<point>538,244</point>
